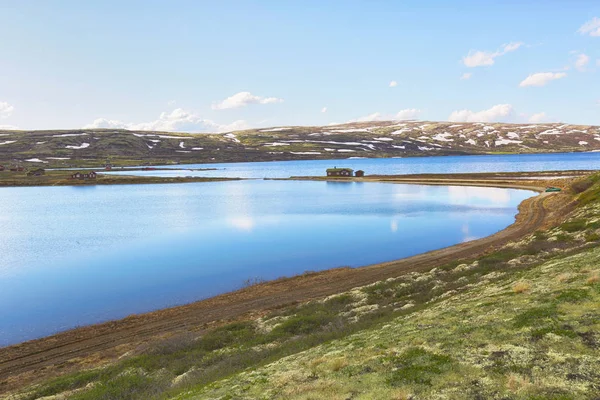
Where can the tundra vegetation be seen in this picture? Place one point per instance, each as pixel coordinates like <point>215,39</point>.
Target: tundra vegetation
<point>522,322</point>
<point>91,147</point>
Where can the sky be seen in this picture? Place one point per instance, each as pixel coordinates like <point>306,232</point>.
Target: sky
<point>216,66</point>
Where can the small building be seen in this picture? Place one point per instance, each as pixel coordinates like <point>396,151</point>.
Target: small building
<point>84,175</point>
<point>17,169</point>
<point>360,173</point>
<point>2,168</point>
<point>37,172</point>
<point>339,171</point>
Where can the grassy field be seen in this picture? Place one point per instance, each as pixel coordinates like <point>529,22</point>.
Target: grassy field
<point>519,323</point>
<point>63,178</point>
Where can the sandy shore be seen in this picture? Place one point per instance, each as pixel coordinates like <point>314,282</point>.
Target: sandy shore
<point>97,344</point>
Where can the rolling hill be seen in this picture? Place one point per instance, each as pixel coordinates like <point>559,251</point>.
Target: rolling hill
<point>91,147</point>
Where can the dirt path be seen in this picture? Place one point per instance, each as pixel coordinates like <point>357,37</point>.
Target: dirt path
<point>92,345</point>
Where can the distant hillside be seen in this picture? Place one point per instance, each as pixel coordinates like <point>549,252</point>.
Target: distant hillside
<point>91,147</point>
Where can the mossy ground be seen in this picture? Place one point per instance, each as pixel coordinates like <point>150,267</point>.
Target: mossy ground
<point>491,341</point>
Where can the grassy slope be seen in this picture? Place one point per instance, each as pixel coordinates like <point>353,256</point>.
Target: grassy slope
<point>530,335</point>
<point>519,323</point>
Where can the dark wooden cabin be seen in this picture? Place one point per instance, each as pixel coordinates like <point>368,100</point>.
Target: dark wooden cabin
<point>339,171</point>
<point>37,172</point>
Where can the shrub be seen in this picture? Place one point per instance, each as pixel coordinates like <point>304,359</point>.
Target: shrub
<point>592,237</point>
<point>594,278</point>
<point>582,185</point>
<point>521,287</point>
<point>417,365</point>
<point>573,296</point>
<point>574,225</point>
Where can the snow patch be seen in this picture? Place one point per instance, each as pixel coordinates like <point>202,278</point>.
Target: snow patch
<point>81,146</point>
<point>70,134</point>
<point>346,151</point>
<point>582,143</point>
<point>37,160</point>
<point>348,130</point>
<point>197,148</point>
<point>182,145</point>
<point>471,141</point>
<point>232,137</point>
<point>275,129</point>
<point>386,139</point>
<point>400,131</point>
<point>551,132</point>
<point>305,152</point>
<point>506,141</point>
<point>513,135</point>
<point>443,137</point>
<point>8,142</point>
<point>276,144</point>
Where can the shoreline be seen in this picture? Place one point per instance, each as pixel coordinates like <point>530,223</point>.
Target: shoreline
<point>101,180</point>
<point>106,342</point>
<point>165,162</point>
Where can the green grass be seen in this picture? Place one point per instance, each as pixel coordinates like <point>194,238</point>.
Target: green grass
<point>486,342</point>
<point>416,366</point>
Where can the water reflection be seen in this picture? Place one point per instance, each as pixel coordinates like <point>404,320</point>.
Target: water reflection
<point>76,257</point>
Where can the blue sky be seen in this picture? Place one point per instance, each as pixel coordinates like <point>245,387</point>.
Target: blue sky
<point>222,65</point>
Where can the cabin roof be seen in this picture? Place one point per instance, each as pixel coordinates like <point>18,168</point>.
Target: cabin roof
<point>339,169</point>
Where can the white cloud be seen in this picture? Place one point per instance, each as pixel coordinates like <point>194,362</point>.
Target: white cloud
<point>592,27</point>
<point>465,76</point>
<point>171,103</point>
<point>498,113</point>
<point>393,84</point>
<point>477,58</point>
<point>6,109</point>
<point>538,118</point>
<point>376,116</point>
<point>582,61</point>
<point>408,113</point>
<point>242,99</point>
<point>178,120</point>
<point>541,78</point>
<point>324,109</point>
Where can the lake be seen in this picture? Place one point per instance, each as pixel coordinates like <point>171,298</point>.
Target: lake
<point>72,256</point>
<point>393,166</point>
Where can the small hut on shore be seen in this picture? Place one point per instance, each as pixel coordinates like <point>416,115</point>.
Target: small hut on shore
<point>339,171</point>
<point>37,172</point>
<point>360,173</point>
<point>84,175</point>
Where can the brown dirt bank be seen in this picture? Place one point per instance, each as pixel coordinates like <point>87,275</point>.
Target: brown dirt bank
<point>93,345</point>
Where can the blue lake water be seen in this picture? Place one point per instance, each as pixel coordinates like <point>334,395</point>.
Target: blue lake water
<point>393,166</point>
<point>72,256</point>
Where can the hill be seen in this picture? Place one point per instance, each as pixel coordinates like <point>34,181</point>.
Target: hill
<point>91,147</point>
